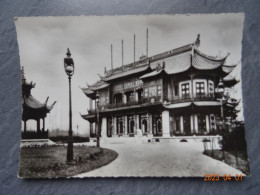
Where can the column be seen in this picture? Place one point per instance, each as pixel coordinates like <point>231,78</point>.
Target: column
<point>24,127</point>
<point>124,98</point>
<point>196,123</point>
<point>104,127</point>
<point>43,124</point>
<point>207,123</point>
<point>181,123</point>
<point>90,104</point>
<point>166,123</point>
<point>191,123</point>
<point>90,129</point>
<point>136,96</point>
<point>137,122</point>
<point>125,125</point>
<point>96,128</point>
<point>114,126</point>
<point>150,121</point>
<point>38,125</point>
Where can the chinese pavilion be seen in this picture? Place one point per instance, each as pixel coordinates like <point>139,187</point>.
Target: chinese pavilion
<point>32,108</point>
<point>168,94</point>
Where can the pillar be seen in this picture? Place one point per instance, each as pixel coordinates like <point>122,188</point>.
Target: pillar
<point>43,124</point>
<point>150,124</point>
<point>104,127</point>
<point>125,125</point>
<point>96,128</point>
<point>90,104</point>
<point>90,128</point>
<point>124,98</point>
<point>181,123</point>
<point>207,123</point>
<point>166,123</point>
<point>136,96</point>
<point>191,123</point>
<point>196,123</point>
<point>24,127</point>
<point>114,126</point>
<point>137,122</point>
<point>38,125</point>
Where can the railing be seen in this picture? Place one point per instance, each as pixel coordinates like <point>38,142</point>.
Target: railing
<point>35,135</point>
<point>195,97</point>
<point>176,99</point>
<point>122,104</point>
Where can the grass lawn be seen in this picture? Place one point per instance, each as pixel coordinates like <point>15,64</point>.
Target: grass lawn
<point>50,161</point>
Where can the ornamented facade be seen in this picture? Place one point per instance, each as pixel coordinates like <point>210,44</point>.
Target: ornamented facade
<point>169,94</point>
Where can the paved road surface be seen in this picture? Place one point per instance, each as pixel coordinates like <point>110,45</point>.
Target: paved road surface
<point>160,159</point>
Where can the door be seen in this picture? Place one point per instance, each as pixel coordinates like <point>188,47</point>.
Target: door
<point>186,125</point>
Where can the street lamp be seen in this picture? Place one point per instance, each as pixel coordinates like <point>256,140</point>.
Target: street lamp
<point>97,104</point>
<point>69,69</point>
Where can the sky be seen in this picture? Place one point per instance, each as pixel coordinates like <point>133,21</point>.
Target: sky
<point>43,43</point>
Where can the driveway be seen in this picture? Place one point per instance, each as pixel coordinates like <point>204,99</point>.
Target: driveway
<point>160,159</point>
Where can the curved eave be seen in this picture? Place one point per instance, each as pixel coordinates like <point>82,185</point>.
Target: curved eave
<point>207,103</point>
<point>211,57</point>
<point>228,68</point>
<point>127,72</point>
<point>89,117</point>
<point>187,104</point>
<point>153,74</point>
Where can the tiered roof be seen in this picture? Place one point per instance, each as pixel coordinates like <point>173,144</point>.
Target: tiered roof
<point>176,61</point>
<point>32,108</point>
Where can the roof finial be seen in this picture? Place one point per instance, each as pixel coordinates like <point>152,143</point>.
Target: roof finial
<point>68,53</point>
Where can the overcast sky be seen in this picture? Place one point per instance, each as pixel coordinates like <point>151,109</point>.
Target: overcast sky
<point>43,42</point>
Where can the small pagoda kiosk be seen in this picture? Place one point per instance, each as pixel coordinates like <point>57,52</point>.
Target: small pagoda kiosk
<point>35,110</point>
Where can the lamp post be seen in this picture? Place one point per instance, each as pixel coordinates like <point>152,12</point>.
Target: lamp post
<point>69,69</point>
<point>97,104</point>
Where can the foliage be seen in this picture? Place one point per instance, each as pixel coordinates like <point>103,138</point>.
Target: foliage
<point>235,140</point>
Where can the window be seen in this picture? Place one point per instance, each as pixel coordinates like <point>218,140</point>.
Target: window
<point>200,88</point>
<point>152,91</point>
<point>185,90</point>
<point>146,92</point>
<point>140,95</point>
<point>130,97</point>
<point>159,90</point>
<point>118,98</point>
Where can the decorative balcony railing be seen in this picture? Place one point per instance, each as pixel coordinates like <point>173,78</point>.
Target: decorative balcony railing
<point>194,97</point>
<point>151,101</point>
<point>122,104</point>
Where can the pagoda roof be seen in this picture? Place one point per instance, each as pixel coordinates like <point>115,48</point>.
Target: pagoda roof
<point>94,87</point>
<point>126,72</point>
<point>203,62</point>
<point>181,62</point>
<point>32,108</point>
<point>230,80</point>
<point>33,103</point>
<point>144,64</point>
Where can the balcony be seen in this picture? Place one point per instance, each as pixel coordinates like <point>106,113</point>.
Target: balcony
<point>122,104</point>
<point>155,100</point>
<point>195,97</point>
